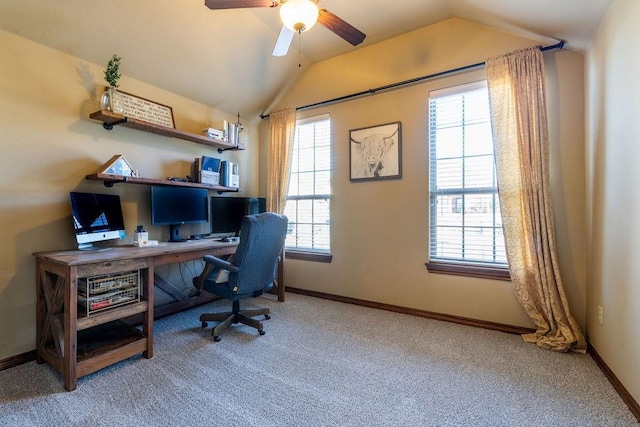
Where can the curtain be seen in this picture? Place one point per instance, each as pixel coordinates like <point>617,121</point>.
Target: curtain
<point>519,123</point>
<point>282,126</point>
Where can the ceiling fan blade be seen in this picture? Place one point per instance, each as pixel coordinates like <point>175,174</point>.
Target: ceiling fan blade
<point>238,4</point>
<point>283,42</point>
<point>341,27</point>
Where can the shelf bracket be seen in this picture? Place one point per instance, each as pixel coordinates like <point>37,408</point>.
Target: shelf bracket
<point>222,150</point>
<point>109,126</point>
<point>110,184</point>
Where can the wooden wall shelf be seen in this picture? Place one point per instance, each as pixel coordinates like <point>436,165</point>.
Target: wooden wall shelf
<point>109,120</point>
<point>109,180</point>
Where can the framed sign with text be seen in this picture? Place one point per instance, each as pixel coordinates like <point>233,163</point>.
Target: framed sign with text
<point>145,110</point>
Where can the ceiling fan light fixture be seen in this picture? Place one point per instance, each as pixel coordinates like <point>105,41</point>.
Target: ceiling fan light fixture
<point>299,15</point>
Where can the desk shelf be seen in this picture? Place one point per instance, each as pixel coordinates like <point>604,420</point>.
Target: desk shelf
<point>86,322</point>
<point>109,120</point>
<point>104,339</point>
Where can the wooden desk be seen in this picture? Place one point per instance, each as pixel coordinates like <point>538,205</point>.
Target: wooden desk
<point>58,320</point>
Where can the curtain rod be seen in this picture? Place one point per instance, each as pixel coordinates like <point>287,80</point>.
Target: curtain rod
<point>373,91</point>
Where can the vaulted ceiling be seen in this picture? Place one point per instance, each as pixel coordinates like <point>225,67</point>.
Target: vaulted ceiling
<point>222,58</point>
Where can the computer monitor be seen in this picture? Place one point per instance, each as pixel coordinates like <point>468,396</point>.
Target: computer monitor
<point>174,206</point>
<point>96,217</point>
<point>227,212</point>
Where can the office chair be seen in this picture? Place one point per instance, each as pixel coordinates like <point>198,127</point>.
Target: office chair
<point>251,271</point>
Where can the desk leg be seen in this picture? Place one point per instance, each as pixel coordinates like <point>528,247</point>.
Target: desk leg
<point>70,352</point>
<point>147,283</point>
<point>41,312</point>
<point>56,289</point>
<point>281,278</point>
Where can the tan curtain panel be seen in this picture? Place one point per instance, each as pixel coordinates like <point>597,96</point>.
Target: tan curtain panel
<point>519,122</point>
<point>282,126</point>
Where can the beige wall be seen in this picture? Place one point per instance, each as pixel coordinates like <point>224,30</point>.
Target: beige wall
<point>48,144</point>
<point>613,205</point>
<point>379,229</point>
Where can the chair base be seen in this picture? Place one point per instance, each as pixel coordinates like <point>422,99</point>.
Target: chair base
<point>236,316</point>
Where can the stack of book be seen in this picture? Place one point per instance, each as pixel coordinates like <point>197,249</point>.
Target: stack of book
<point>215,133</point>
<point>229,176</point>
<point>206,170</point>
<point>225,131</point>
<point>212,171</point>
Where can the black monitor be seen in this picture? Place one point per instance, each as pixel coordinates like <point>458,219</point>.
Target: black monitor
<point>174,206</point>
<point>227,212</point>
<point>96,217</point>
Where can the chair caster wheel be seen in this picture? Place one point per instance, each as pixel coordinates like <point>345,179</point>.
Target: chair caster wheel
<point>204,325</point>
<point>216,338</point>
<point>267,317</point>
<point>261,331</point>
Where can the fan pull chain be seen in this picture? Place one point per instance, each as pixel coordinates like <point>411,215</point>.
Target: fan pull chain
<point>299,48</point>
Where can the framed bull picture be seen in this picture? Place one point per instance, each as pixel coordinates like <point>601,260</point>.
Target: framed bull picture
<point>376,152</point>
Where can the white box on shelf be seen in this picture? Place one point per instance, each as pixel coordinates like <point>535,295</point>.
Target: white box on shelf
<point>213,133</point>
<point>209,177</point>
<point>235,176</point>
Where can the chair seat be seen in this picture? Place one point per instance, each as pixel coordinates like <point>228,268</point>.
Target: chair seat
<point>225,291</point>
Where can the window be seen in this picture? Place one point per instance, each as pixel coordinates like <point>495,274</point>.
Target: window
<point>465,225</point>
<point>308,198</point>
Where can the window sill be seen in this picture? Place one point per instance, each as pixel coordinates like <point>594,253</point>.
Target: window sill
<point>308,256</point>
<point>469,270</point>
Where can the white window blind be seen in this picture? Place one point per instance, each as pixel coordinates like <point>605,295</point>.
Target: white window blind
<point>465,224</point>
<point>308,199</point>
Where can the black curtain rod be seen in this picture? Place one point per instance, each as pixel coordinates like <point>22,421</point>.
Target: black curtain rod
<point>559,45</point>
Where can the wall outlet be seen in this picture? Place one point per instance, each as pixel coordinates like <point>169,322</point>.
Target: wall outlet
<point>600,314</point>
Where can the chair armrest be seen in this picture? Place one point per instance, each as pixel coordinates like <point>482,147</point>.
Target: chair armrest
<point>211,264</point>
<point>220,263</point>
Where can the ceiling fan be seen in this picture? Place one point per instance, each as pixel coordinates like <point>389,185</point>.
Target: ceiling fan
<point>297,16</point>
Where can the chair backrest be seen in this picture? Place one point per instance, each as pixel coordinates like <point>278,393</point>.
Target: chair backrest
<point>261,241</point>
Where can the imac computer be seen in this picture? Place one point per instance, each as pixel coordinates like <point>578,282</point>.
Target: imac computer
<point>96,218</point>
<point>174,206</point>
<point>227,213</point>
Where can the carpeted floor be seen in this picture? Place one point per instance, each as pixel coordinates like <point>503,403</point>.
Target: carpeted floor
<point>323,363</point>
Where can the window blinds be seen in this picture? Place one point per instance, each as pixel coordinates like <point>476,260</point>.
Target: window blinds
<point>465,223</point>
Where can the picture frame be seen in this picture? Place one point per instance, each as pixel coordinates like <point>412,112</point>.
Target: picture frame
<point>117,165</point>
<point>375,152</point>
<point>146,110</point>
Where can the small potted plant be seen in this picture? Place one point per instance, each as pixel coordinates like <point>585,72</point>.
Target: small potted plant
<point>110,100</point>
<point>112,72</point>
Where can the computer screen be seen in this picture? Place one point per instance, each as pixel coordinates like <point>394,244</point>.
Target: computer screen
<point>227,212</point>
<point>96,217</point>
<point>174,206</point>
